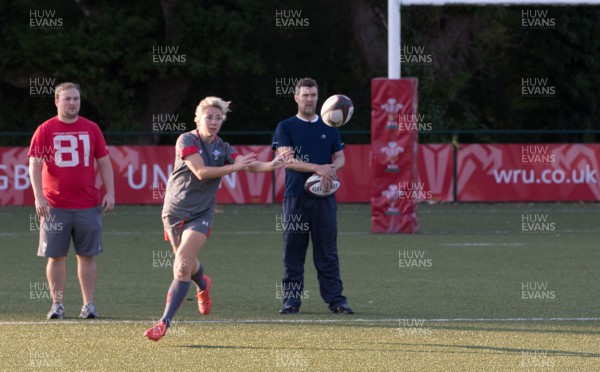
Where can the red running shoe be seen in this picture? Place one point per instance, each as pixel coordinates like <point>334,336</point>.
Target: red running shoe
<point>204,302</point>
<point>155,333</point>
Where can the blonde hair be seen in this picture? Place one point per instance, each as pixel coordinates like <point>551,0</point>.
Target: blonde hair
<point>212,102</point>
<point>65,86</point>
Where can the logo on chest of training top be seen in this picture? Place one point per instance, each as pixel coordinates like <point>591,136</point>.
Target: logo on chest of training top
<point>216,154</point>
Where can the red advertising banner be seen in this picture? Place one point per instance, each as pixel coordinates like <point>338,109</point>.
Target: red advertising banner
<point>436,172</point>
<point>529,172</point>
<point>486,173</point>
<point>141,174</point>
<point>15,187</point>
<point>394,178</point>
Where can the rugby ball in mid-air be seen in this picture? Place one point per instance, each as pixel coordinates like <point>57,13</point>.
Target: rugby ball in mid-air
<point>313,187</point>
<point>337,110</point>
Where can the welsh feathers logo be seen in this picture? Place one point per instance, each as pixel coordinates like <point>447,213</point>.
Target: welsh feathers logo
<point>391,151</point>
<point>392,196</point>
<point>392,108</point>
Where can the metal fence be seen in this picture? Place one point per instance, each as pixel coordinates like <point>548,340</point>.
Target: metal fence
<point>264,137</point>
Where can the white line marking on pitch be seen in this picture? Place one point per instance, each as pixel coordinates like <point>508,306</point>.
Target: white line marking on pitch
<point>304,321</point>
<point>483,244</point>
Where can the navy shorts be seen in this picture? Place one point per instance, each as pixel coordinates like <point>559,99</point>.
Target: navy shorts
<point>174,226</point>
<point>83,226</point>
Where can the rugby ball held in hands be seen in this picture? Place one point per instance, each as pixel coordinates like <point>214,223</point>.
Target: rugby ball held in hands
<point>313,187</point>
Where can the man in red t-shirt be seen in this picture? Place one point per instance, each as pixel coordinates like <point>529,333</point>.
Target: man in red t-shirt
<point>63,178</point>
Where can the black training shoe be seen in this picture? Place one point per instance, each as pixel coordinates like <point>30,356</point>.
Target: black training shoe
<point>289,309</point>
<point>341,309</point>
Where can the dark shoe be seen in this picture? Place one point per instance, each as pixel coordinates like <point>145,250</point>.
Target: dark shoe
<point>289,309</point>
<point>341,309</point>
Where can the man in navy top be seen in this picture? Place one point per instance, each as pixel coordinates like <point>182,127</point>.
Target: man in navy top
<point>317,148</point>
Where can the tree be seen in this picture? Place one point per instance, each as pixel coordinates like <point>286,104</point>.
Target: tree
<point>144,66</point>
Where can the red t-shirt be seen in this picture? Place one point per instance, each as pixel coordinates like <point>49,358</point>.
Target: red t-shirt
<point>68,171</point>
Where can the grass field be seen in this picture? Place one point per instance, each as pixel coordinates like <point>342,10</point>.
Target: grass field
<point>475,290</point>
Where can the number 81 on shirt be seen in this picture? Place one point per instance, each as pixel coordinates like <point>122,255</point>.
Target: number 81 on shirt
<point>68,144</point>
